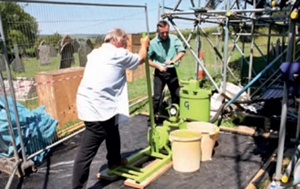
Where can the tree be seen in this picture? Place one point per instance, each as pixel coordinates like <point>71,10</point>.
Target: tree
<point>19,27</point>
<point>51,39</point>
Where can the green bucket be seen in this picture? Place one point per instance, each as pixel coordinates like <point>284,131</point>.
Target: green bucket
<point>194,102</point>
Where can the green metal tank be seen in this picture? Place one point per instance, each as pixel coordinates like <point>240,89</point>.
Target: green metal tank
<point>194,101</point>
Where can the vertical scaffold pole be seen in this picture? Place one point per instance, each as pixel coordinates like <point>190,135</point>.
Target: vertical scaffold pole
<point>282,130</point>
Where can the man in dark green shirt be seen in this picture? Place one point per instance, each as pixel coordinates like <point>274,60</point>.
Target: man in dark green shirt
<point>164,51</point>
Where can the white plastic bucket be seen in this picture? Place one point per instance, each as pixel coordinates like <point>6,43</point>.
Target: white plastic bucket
<point>209,133</point>
<point>185,150</point>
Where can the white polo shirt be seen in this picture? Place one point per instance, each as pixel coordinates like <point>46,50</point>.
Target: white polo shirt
<point>102,92</point>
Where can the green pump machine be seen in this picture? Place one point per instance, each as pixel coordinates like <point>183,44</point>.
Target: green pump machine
<point>194,101</point>
<point>194,105</point>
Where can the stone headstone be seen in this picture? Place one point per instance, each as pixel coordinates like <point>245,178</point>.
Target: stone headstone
<point>85,48</point>
<point>98,41</point>
<point>44,53</point>
<point>66,52</point>
<point>76,45</point>
<point>67,58</point>
<point>17,63</point>
<point>53,52</point>
<point>25,88</point>
<point>36,51</point>
<point>24,54</point>
<point>2,62</point>
<point>59,45</point>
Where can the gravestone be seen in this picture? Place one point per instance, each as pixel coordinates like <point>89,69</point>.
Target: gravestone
<point>2,62</point>
<point>17,63</point>
<point>66,52</point>
<point>44,53</point>
<point>85,48</point>
<point>53,52</point>
<point>59,45</point>
<point>76,45</point>
<point>24,54</point>
<point>25,88</point>
<point>36,51</point>
<point>98,41</point>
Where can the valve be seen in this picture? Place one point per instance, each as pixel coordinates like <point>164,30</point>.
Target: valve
<point>294,15</point>
<point>228,14</point>
<point>274,3</point>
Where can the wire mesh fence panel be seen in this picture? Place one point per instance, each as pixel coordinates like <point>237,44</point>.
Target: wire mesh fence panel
<point>47,45</point>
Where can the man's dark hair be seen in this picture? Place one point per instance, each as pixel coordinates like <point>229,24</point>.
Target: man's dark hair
<point>162,24</point>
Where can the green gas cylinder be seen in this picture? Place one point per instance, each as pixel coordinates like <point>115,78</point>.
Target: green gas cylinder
<point>194,101</point>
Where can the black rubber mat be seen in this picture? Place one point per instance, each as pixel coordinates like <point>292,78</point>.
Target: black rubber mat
<point>236,160</point>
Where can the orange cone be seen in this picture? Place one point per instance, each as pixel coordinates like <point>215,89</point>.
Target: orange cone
<point>201,73</point>
<point>201,54</point>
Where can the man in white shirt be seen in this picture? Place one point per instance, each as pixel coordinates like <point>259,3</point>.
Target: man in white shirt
<point>102,101</point>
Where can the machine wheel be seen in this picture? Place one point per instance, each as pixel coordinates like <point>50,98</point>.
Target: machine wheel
<point>159,136</point>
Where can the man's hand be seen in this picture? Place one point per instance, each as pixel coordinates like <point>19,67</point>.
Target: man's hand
<point>168,62</point>
<point>162,68</point>
<point>144,47</point>
<point>145,42</point>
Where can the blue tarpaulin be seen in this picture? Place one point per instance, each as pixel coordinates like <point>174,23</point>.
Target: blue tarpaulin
<point>37,127</point>
<point>291,74</point>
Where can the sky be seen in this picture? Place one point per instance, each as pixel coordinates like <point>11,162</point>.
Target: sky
<point>84,19</point>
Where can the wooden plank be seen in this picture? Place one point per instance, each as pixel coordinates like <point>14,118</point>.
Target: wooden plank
<point>134,39</point>
<point>133,45</point>
<point>153,177</point>
<point>262,171</point>
<point>144,113</point>
<point>138,73</point>
<point>133,48</point>
<point>239,129</point>
<point>228,98</point>
<point>137,98</point>
<point>72,128</point>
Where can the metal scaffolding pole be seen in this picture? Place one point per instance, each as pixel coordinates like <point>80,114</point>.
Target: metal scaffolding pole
<point>223,12</point>
<point>282,130</point>
<point>225,48</point>
<point>251,50</point>
<point>194,55</point>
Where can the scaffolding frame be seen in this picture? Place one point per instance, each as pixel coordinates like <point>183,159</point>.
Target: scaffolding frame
<point>230,16</point>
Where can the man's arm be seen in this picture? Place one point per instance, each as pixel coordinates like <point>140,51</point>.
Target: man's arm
<point>143,50</point>
<point>176,58</point>
<point>180,49</point>
<point>157,66</point>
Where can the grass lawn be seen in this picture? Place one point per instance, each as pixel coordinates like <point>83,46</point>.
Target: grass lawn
<point>187,68</point>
